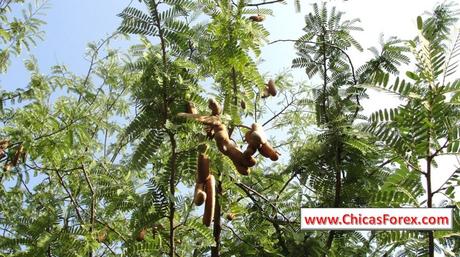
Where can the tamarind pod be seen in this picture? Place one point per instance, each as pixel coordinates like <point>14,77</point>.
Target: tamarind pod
<point>203,168</point>
<point>141,235</point>
<point>222,139</point>
<point>243,104</point>
<point>247,136</point>
<point>18,153</point>
<point>210,203</point>
<point>101,236</point>
<point>250,150</point>
<point>268,151</point>
<point>200,194</point>
<point>2,153</point>
<point>238,157</point>
<point>271,88</point>
<point>207,120</point>
<point>215,107</point>
<point>243,170</point>
<point>257,18</point>
<point>210,134</point>
<point>209,131</point>
<point>253,142</point>
<point>258,134</point>
<point>191,108</point>
<point>230,216</point>
<point>265,93</point>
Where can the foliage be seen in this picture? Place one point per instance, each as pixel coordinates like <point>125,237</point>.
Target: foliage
<point>106,167</point>
<point>423,128</point>
<point>17,33</point>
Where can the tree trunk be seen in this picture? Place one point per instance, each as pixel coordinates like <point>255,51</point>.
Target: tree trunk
<point>429,205</point>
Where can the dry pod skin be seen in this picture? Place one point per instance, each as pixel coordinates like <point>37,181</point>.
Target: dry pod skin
<point>209,132</point>
<point>215,107</point>
<point>243,170</point>
<point>243,104</point>
<point>203,168</point>
<point>221,138</point>
<point>101,236</point>
<point>18,153</point>
<point>230,216</point>
<point>238,157</point>
<point>208,215</point>
<point>265,93</point>
<point>141,235</point>
<point>257,135</point>
<point>268,151</point>
<point>257,18</point>
<point>207,120</point>
<point>200,194</point>
<point>250,150</point>
<point>271,87</point>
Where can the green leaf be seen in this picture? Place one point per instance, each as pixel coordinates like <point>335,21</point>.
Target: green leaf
<point>419,23</point>
<point>412,75</point>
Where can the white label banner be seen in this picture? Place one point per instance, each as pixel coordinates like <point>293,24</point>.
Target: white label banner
<point>376,218</point>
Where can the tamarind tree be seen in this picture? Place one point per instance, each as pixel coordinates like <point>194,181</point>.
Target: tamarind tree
<point>180,146</point>
<point>420,130</point>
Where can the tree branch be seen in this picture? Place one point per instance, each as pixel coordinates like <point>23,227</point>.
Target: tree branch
<point>265,3</point>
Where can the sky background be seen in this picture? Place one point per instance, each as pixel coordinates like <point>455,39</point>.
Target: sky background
<point>72,24</point>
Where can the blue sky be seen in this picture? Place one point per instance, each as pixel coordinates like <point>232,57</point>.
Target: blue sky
<point>70,26</point>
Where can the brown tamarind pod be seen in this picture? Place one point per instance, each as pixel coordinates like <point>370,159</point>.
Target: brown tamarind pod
<point>271,87</point>
<point>215,107</point>
<point>200,194</point>
<point>222,139</point>
<point>207,120</point>
<point>243,170</point>
<point>18,153</point>
<point>203,168</point>
<point>210,203</point>
<point>191,108</point>
<point>238,157</point>
<point>268,151</point>
<point>141,235</point>
<point>257,18</point>
<point>243,104</point>
<point>250,151</point>
<point>230,216</point>
<point>265,93</point>
<point>101,236</point>
<point>256,136</point>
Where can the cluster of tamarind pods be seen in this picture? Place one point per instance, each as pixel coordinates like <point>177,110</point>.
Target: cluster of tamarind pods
<point>257,18</point>
<point>242,160</point>
<point>14,160</point>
